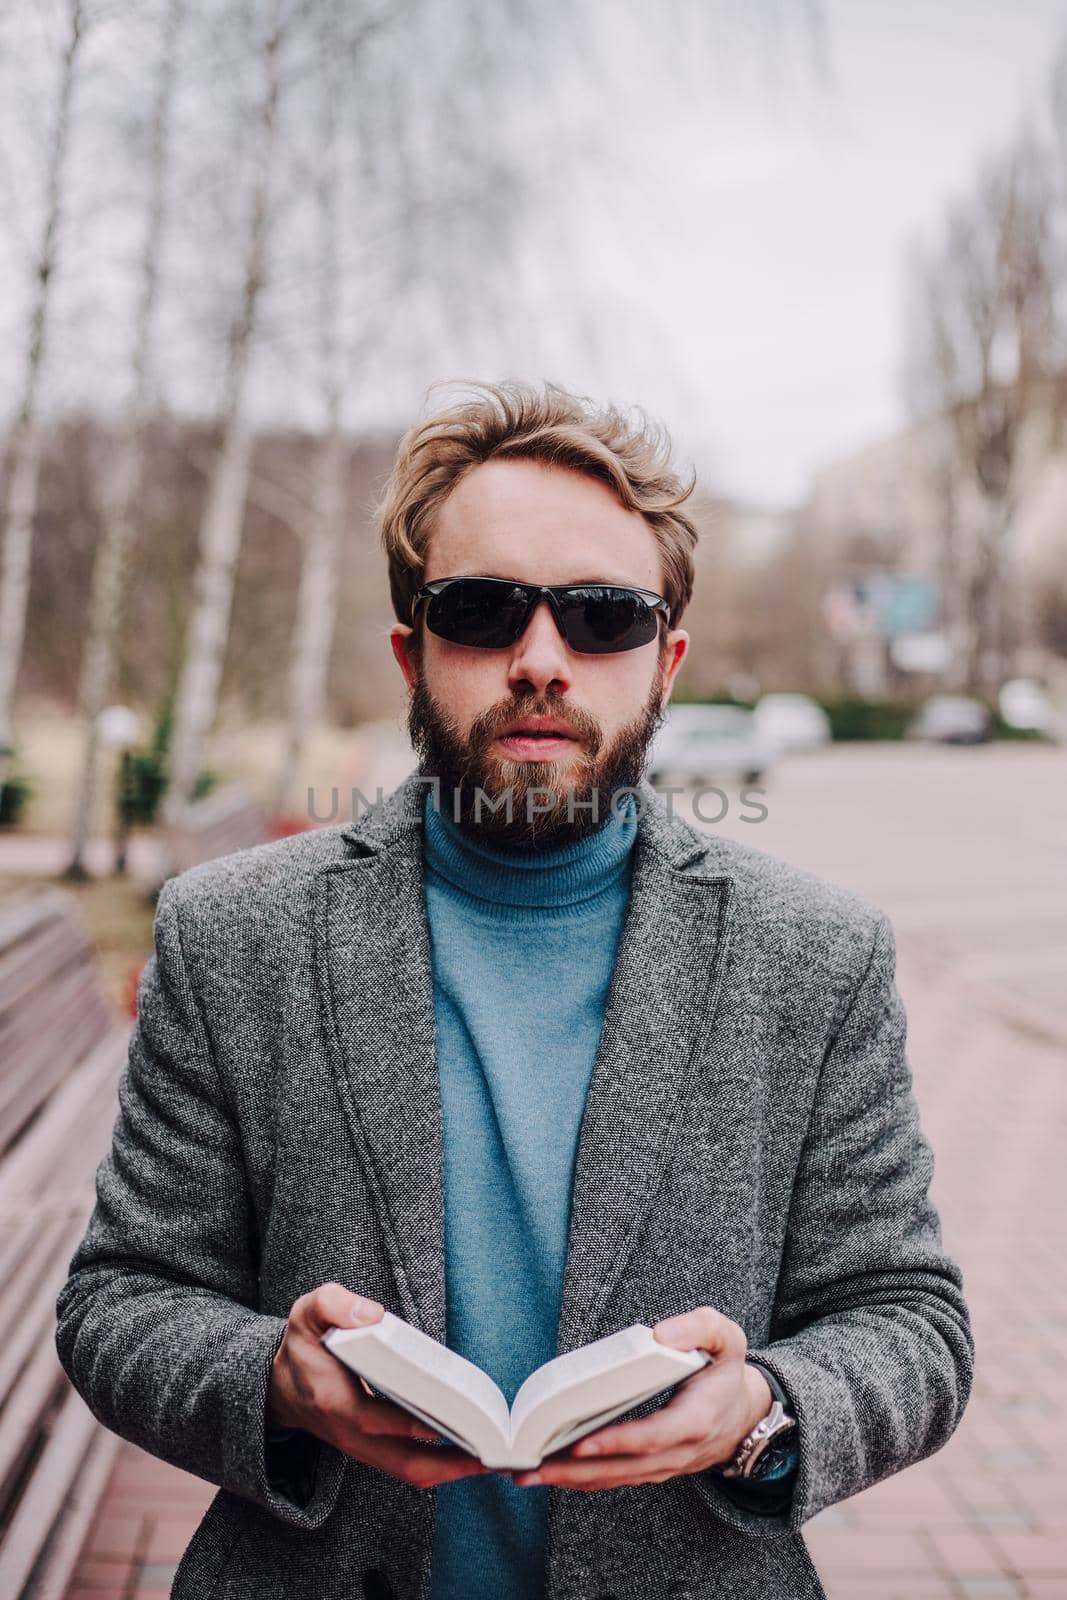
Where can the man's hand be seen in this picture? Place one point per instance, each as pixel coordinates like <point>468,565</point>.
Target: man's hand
<point>700,1426</point>
<point>310,1389</point>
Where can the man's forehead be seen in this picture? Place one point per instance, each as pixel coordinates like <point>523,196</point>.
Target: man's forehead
<point>525,485</point>
<point>521,519</point>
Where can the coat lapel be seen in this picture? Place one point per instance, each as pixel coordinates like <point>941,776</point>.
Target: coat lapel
<point>376,979</point>
<point>661,1004</point>
<point>375,975</point>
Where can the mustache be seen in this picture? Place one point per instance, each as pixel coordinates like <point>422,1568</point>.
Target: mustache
<point>490,723</point>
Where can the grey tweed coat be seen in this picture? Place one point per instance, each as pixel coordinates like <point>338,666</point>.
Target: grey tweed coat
<point>750,1142</point>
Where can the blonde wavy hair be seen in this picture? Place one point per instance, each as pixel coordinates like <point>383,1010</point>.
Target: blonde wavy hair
<point>625,451</point>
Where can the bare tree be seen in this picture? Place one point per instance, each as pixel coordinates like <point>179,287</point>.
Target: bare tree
<point>113,551</point>
<point>983,311</point>
<point>220,529</point>
<point>929,378</point>
<point>322,533</point>
<point>20,500</point>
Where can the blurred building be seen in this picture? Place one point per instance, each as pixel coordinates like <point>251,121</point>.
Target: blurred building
<point>884,521</point>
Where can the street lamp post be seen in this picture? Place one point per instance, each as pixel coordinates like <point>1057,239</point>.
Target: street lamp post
<point>119,728</point>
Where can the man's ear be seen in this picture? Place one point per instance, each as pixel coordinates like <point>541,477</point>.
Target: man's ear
<point>399,636</point>
<point>673,656</point>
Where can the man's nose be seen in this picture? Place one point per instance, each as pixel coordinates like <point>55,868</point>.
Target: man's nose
<point>540,657</point>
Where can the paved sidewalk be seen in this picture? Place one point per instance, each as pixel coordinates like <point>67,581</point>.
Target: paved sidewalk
<point>986,1519</point>
<point>987,1516</point>
<point>145,1521</point>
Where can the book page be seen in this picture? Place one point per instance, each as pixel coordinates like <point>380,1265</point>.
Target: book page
<point>429,1380</point>
<point>571,1433</point>
<point>581,1391</point>
<point>579,1364</point>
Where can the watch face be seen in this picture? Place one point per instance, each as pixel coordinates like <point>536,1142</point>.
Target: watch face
<point>780,1450</point>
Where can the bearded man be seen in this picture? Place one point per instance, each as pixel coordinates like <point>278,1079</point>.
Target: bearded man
<point>523,1058</point>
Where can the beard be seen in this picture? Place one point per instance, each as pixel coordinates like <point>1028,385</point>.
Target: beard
<point>552,803</point>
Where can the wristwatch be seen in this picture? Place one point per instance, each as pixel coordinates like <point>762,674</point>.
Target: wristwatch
<point>768,1442</point>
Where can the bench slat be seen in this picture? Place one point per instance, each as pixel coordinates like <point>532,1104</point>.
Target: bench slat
<point>30,911</point>
<point>62,1051</point>
<point>41,1070</point>
<point>28,1304</point>
<point>56,1568</point>
<point>54,1474</point>
<point>88,1091</point>
<point>38,959</point>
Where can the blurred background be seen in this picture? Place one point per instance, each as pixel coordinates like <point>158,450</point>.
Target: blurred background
<point>826,246</point>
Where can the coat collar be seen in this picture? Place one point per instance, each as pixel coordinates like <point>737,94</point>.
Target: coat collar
<point>375,975</point>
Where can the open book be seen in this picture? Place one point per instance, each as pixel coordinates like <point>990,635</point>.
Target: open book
<point>559,1403</point>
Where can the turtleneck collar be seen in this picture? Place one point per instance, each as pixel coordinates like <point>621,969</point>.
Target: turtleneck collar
<point>544,880</point>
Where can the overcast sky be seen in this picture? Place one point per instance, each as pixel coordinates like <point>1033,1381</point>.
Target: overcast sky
<point>797,304</point>
<point>789,305</point>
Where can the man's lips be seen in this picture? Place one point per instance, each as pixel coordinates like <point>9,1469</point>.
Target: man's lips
<point>538,738</point>
<point>538,727</point>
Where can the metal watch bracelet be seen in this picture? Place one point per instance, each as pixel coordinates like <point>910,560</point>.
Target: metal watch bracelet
<point>777,1421</point>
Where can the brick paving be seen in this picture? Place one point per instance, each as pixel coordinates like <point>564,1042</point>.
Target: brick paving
<point>144,1522</point>
<point>987,1516</point>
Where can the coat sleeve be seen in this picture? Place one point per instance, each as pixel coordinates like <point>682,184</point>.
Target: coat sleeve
<point>870,1336</point>
<point>157,1326</point>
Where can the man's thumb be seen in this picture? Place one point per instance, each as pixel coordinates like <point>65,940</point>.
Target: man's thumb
<point>334,1306</point>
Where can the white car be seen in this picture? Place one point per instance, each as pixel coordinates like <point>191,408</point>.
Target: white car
<point>793,722</point>
<point>700,743</point>
<point>1024,705</point>
<point>951,719</point>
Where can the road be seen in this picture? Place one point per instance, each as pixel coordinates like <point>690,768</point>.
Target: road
<point>965,848</point>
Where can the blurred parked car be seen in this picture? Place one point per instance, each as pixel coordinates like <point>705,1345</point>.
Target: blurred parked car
<point>1025,705</point>
<point>792,722</point>
<point>698,744</point>
<point>951,719</point>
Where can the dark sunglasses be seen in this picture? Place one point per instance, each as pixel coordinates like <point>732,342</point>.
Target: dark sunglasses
<point>491,613</point>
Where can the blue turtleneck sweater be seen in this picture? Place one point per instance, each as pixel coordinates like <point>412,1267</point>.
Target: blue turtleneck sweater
<point>523,947</point>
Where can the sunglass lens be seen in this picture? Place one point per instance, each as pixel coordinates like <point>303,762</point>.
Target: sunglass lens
<point>600,620</point>
<point>486,615</point>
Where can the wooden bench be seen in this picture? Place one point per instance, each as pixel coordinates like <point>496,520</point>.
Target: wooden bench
<point>228,819</point>
<point>62,1050</point>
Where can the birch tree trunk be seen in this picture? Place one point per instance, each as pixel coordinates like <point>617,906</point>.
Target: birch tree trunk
<point>317,598</point>
<point>223,519</point>
<point>20,508</point>
<point>113,552</point>
<point>316,610</point>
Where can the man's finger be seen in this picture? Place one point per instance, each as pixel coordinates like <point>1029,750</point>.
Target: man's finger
<point>611,1473</point>
<point>381,1418</point>
<point>422,1466</point>
<point>335,1392</point>
<point>684,1420</point>
<point>416,1428</point>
